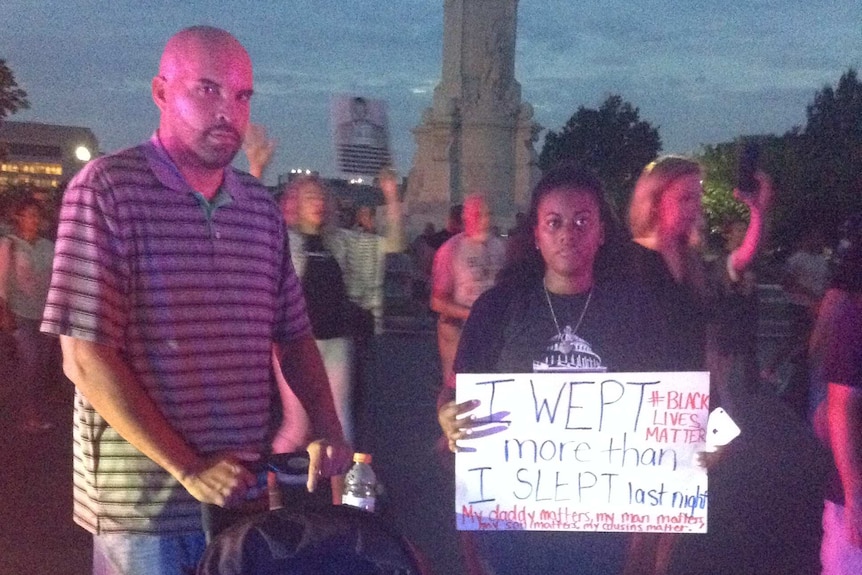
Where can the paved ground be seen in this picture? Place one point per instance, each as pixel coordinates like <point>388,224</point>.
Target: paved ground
<point>36,530</point>
<point>764,505</point>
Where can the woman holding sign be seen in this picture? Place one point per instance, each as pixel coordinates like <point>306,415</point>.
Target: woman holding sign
<point>557,311</point>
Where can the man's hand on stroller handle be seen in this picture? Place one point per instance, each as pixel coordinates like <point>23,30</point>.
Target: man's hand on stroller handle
<point>327,458</point>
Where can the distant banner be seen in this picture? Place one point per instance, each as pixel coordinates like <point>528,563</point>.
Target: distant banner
<point>360,134</point>
<point>584,452</point>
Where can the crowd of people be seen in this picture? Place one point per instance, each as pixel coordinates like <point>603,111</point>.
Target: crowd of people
<point>181,296</point>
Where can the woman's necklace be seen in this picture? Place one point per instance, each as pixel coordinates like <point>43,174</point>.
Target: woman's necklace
<point>554,315</point>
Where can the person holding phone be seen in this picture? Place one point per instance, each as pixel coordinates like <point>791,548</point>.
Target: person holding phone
<point>666,216</point>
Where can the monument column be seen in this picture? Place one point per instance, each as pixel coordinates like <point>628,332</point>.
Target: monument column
<point>477,135</point>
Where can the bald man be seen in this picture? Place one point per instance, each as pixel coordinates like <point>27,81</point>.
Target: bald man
<point>465,266</point>
<point>171,285</point>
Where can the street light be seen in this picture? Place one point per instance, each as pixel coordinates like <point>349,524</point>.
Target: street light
<point>83,153</point>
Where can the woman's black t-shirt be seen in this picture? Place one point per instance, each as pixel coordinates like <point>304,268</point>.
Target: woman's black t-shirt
<point>511,330</point>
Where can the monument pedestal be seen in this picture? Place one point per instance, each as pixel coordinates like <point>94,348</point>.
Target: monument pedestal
<point>477,136</point>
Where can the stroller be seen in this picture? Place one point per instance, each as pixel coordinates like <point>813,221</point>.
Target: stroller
<point>307,536</point>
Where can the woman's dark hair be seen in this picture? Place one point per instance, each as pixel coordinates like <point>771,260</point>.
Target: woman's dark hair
<point>27,202</point>
<point>525,263</point>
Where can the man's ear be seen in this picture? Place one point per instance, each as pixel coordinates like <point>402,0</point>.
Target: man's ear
<point>159,86</point>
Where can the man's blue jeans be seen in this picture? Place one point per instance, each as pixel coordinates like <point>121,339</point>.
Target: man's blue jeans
<point>134,554</point>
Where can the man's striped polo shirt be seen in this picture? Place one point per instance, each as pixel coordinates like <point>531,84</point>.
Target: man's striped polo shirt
<point>192,294</point>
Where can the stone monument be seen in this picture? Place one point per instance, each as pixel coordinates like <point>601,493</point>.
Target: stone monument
<point>477,136</point>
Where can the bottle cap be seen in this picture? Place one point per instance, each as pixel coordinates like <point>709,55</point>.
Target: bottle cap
<point>362,457</point>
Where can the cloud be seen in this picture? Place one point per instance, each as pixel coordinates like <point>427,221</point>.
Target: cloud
<point>704,72</point>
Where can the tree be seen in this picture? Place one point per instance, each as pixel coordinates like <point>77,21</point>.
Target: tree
<point>833,138</point>
<point>816,170</point>
<point>611,140</point>
<point>719,205</point>
<point>12,98</point>
<point>837,114</point>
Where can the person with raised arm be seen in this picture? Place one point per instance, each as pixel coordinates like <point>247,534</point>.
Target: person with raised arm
<point>341,272</point>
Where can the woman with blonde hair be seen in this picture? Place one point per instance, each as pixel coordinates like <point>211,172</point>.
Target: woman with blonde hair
<point>341,271</point>
<point>665,211</point>
<point>342,276</point>
<point>666,216</point>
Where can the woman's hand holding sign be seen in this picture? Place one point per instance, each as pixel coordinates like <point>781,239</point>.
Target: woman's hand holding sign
<point>458,423</point>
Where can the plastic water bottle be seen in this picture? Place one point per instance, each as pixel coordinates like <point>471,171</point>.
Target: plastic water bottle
<point>360,484</point>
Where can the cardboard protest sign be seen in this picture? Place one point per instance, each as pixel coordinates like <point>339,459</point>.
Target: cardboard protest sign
<point>584,452</point>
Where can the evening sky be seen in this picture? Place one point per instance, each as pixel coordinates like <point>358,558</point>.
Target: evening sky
<point>703,72</point>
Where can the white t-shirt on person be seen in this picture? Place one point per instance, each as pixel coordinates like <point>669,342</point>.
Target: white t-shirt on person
<point>465,268</point>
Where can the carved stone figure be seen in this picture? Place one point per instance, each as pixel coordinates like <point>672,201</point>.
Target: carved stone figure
<point>477,135</point>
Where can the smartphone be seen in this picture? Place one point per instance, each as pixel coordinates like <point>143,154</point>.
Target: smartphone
<point>721,430</point>
<point>746,166</point>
